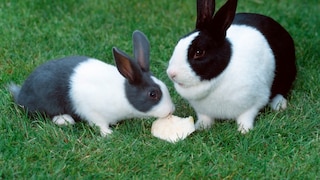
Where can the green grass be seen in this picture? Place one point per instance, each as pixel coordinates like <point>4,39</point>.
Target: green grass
<point>283,145</point>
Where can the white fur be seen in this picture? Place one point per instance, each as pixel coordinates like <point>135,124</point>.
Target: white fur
<point>240,91</point>
<point>98,96</point>
<point>64,119</point>
<point>278,103</point>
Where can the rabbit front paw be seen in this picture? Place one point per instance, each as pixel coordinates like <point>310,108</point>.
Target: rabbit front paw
<point>245,120</point>
<point>105,131</point>
<point>203,122</point>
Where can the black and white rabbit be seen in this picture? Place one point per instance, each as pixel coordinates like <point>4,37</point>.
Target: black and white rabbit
<point>80,87</point>
<point>232,65</point>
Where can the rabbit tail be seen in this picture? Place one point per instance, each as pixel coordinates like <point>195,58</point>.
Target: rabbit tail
<point>15,91</point>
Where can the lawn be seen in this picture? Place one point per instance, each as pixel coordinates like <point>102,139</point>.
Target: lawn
<point>283,145</point>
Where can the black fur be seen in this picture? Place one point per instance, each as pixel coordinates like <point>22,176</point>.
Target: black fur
<point>143,95</point>
<point>214,48</point>
<point>141,91</point>
<point>282,46</point>
<point>217,50</point>
<point>216,59</point>
<point>46,89</point>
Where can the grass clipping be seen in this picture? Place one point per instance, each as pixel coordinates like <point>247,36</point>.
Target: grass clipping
<point>173,128</point>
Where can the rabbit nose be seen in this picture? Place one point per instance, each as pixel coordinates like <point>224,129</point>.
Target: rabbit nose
<point>171,74</point>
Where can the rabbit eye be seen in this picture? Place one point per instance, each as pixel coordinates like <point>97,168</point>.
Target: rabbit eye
<point>199,53</point>
<point>154,95</point>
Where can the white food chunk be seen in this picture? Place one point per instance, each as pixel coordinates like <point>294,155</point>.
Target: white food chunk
<point>173,128</point>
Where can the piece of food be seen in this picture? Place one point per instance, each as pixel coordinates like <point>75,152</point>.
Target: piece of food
<point>173,128</point>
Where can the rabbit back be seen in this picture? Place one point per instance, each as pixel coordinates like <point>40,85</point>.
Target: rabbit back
<point>98,88</point>
<point>47,87</point>
<point>282,46</point>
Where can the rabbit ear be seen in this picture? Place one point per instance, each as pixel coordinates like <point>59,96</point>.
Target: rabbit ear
<point>205,10</point>
<point>141,50</point>
<point>127,67</point>
<point>223,18</point>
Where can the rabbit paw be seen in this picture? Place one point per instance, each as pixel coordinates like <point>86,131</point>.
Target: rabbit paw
<point>64,119</point>
<point>244,129</point>
<point>204,122</point>
<point>245,120</point>
<point>105,132</point>
<point>278,103</point>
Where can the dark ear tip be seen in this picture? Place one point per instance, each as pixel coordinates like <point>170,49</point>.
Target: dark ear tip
<point>139,35</point>
<point>115,50</point>
<point>137,32</point>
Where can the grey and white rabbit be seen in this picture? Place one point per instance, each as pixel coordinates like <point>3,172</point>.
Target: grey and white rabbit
<point>232,65</point>
<point>84,88</point>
